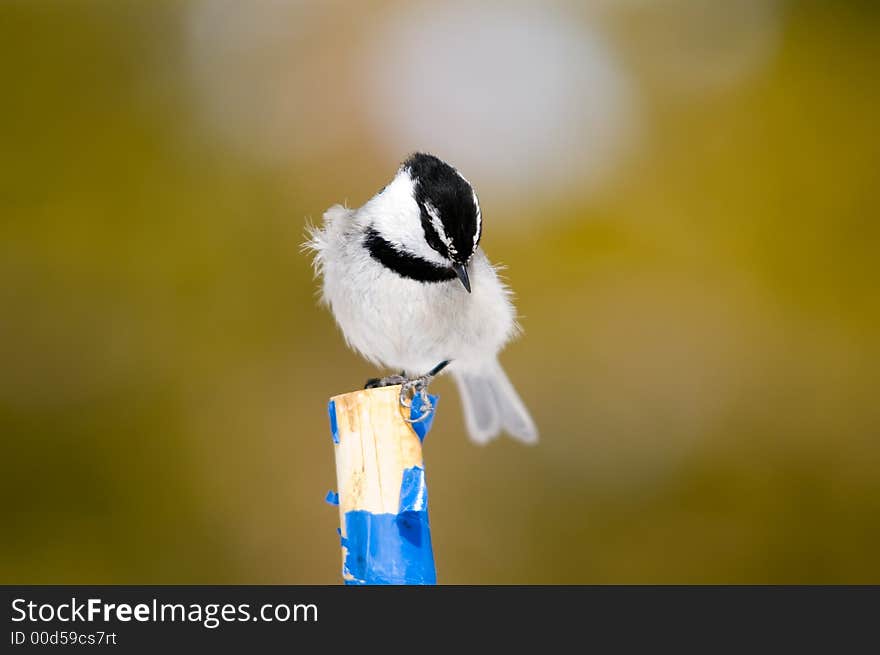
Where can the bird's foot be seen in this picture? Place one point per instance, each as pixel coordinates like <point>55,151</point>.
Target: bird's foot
<point>409,389</point>
<point>408,392</point>
<point>390,381</point>
<point>419,387</point>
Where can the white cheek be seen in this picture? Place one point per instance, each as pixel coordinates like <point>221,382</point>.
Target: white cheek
<point>396,216</point>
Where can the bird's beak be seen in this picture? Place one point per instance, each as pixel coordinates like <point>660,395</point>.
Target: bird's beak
<point>462,274</point>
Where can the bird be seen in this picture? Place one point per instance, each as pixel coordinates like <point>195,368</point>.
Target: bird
<point>412,290</point>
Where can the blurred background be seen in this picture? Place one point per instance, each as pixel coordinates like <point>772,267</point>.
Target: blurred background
<point>683,191</point>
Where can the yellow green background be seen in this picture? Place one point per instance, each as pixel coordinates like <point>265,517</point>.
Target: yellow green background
<point>701,330</point>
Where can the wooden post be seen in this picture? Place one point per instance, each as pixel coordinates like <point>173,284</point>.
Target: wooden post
<point>382,497</point>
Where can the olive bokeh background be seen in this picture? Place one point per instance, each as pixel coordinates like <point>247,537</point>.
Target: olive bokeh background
<point>684,196</point>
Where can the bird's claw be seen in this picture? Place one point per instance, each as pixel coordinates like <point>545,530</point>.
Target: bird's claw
<point>390,381</point>
<point>410,388</point>
<point>416,387</point>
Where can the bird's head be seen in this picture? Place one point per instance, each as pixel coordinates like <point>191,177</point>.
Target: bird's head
<point>429,216</point>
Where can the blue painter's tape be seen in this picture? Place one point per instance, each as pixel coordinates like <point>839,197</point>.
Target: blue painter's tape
<point>413,491</point>
<point>388,549</point>
<point>422,427</point>
<point>332,498</point>
<point>334,430</point>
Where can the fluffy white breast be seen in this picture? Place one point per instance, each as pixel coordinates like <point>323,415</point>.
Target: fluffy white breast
<point>404,324</point>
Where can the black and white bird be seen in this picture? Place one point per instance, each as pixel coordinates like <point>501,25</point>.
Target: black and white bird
<point>411,289</point>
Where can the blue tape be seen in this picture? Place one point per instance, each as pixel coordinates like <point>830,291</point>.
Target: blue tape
<point>386,549</point>
<point>413,491</point>
<point>332,498</point>
<point>422,427</point>
<point>334,430</point>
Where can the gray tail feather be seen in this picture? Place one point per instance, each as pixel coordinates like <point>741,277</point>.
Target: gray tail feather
<point>491,405</point>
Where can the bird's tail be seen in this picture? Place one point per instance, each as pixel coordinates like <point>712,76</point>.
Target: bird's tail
<point>491,405</point>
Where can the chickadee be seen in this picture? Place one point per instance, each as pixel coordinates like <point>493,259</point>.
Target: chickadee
<point>411,289</point>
